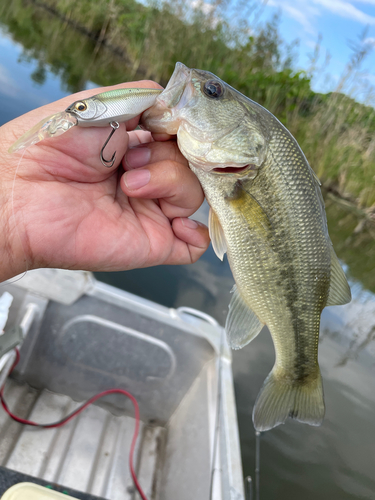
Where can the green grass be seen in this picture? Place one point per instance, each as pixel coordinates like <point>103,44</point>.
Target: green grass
<point>123,40</point>
<point>334,131</point>
<point>130,40</point>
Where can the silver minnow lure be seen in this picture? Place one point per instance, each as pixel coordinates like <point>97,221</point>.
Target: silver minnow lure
<point>103,109</point>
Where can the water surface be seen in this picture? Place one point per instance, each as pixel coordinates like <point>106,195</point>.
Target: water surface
<point>42,59</point>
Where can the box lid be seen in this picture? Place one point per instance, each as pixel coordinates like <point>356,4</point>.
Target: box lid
<point>31,491</point>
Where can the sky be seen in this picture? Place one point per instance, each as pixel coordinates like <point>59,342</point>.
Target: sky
<point>338,22</point>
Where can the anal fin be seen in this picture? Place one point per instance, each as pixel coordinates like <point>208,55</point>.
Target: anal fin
<point>242,324</point>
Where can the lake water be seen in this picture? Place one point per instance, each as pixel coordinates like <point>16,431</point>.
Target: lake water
<point>43,59</point>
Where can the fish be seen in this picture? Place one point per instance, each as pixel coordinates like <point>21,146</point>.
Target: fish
<point>102,109</point>
<point>267,213</point>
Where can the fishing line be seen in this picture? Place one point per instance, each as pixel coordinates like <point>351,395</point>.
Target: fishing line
<point>257,465</point>
<point>249,484</point>
<point>218,413</point>
<point>248,488</point>
<point>14,280</point>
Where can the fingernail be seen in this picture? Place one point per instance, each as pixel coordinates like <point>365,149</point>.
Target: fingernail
<point>137,157</point>
<point>135,179</point>
<point>190,223</point>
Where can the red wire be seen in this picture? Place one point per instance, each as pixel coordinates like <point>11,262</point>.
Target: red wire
<point>79,410</point>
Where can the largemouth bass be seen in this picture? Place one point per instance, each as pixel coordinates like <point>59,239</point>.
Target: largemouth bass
<point>267,213</point>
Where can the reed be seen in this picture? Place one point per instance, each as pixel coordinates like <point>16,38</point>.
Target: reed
<point>229,38</point>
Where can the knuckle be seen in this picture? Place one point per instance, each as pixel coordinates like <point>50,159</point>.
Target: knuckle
<point>171,174</point>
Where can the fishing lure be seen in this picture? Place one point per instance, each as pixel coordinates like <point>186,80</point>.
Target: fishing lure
<point>108,108</point>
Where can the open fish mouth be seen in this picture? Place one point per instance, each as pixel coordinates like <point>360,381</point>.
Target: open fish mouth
<point>231,170</point>
<point>172,95</point>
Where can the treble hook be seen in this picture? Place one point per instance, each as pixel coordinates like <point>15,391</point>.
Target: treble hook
<point>109,163</point>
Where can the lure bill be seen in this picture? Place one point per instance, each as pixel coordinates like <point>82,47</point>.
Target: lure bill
<point>114,106</point>
<point>52,126</point>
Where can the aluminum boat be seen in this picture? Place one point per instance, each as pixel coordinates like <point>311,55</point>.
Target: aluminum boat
<point>77,337</point>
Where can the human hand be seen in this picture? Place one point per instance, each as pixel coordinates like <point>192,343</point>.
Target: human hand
<point>62,208</point>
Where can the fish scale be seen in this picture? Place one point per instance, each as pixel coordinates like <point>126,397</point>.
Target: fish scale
<point>268,215</point>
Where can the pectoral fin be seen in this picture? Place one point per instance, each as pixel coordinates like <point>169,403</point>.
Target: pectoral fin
<point>242,324</point>
<point>339,290</point>
<point>246,206</point>
<point>218,241</point>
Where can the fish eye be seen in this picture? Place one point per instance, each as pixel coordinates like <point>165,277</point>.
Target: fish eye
<point>213,88</point>
<point>80,106</point>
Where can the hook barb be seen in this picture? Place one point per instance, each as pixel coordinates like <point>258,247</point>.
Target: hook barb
<point>109,163</point>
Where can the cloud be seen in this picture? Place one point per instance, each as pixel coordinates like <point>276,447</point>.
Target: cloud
<point>370,2</point>
<point>298,14</point>
<point>346,9</point>
<point>308,10</point>
<point>205,7</point>
<point>300,17</point>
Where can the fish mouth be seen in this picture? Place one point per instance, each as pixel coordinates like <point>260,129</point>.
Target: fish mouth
<point>235,170</point>
<point>164,115</point>
<point>172,95</point>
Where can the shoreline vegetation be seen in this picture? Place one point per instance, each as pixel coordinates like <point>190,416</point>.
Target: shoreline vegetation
<point>126,40</point>
<point>335,132</point>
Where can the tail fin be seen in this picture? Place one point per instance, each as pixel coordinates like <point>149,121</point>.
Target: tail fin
<point>281,398</point>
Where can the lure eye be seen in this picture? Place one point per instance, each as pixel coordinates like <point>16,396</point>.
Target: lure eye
<point>81,106</point>
<point>213,88</point>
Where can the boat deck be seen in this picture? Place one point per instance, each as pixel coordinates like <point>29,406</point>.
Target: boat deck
<point>90,453</point>
<point>83,337</point>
